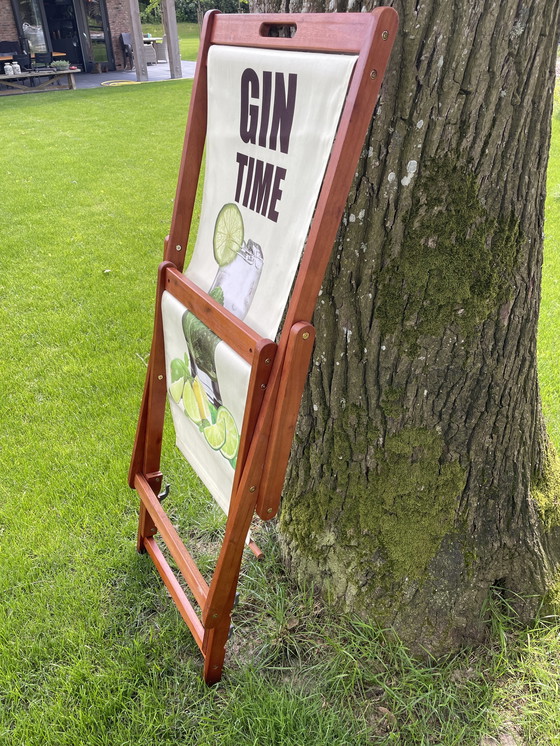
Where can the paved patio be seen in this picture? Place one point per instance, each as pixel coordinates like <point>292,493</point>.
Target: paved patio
<point>122,77</point>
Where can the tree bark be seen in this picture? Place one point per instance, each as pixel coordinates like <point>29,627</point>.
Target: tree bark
<point>421,474</point>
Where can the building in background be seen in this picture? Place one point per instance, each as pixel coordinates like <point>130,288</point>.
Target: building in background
<point>86,31</point>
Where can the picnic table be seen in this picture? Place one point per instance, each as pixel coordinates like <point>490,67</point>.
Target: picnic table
<point>40,80</point>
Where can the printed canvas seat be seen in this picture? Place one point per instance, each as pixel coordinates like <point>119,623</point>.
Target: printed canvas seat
<point>281,105</point>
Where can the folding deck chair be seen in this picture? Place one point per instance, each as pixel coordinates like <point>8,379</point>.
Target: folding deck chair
<point>281,104</point>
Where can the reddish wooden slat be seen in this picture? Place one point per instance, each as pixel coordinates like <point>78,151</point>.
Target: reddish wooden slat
<point>191,158</point>
<point>261,369</point>
<point>354,123</point>
<point>185,562</point>
<point>222,322</point>
<point>290,390</point>
<point>316,32</point>
<point>177,593</point>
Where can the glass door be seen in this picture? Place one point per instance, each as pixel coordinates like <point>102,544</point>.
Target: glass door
<point>31,21</point>
<point>63,30</point>
<point>94,34</point>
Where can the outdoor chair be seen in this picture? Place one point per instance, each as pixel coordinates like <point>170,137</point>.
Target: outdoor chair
<point>128,55</point>
<point>9,47</point>
<point>282,122</point>
<point>23,60</point>
<point>161,50</point>
<point>150,54</point>
<point>42,59</point>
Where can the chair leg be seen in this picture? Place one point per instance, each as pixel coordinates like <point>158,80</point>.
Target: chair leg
<point>215,651</point>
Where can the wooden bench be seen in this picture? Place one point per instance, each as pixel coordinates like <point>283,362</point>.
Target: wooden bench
<point>40,80</point>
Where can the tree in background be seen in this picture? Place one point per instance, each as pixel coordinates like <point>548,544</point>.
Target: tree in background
<point>190,11</point>
<point>421,476</point>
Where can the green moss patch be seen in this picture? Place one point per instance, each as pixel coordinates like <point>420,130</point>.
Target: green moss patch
<point>546,491</point>
<point>411,501</point>
<point>400,511</point>
<point>456,262</point>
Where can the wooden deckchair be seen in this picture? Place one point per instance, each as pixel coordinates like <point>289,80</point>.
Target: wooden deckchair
<point>277,365</point>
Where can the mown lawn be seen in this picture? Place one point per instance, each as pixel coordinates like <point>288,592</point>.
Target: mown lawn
<point>92,652</point>
<point>189,37</point>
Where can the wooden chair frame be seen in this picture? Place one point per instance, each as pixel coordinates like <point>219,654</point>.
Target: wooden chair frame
<point>278,371</point>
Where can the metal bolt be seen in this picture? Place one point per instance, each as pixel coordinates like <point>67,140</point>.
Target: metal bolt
<point>160,377</point>
<point>269,510</point>
<point>373,74</point>
<point>385,35</point>
<point>179,247</point>
<point>305,335</point>
<point>263,385</point>
<point>214,616</point>
<point>267,361</point>
<point>252,489</point>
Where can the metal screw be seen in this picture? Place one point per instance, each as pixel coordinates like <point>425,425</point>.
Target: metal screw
<point>263,385</point>
<point>305,335</point>
<point>252,489</point>
<point>267,361</point>
<point>373,74</point>
<point>160,377</point>
<point>385,35</point>
<point>214,616</point>
<point>179,247</point>
<point>269,510</point>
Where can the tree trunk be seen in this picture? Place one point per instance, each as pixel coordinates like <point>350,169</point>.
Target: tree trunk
<point>421,475</point>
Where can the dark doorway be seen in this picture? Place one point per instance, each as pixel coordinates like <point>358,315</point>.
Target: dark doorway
<point>63,30</point>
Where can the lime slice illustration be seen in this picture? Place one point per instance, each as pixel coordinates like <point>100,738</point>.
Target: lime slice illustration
<point>202,400</point>
<point>215,435</point>
<point>190,403</point>
<point>176,390</point>
<point>228,234</point>
<point>231,442</point>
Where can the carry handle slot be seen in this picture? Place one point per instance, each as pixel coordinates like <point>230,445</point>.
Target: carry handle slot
<point>280,30</point>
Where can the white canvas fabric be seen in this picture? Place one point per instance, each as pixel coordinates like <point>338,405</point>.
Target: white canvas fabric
<point>321,82</point>
<point>272,117</point>
<point>233,372</point>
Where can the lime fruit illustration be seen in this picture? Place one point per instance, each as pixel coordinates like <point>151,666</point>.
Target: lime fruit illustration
<point>228,234</point>
<point>177,369</point>
<point>202,400</point>
<point>176,390</point>
<point>190,403</point>
<point>231,442</point>
<point>215,435</point>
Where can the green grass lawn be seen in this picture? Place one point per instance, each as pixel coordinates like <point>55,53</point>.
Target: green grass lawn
<point>189,37</point>
<point>92,651</point>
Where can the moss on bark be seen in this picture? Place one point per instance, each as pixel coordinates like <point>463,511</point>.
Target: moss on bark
<point>456,263</point>
<point>546,492</point>
<point>402,514</point>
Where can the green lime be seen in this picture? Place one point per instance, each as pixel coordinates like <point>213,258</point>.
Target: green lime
<point>215,435</point>
<point>177,369</point>
<point>228,234</point>
<point>218,294</point>
<point>190,403</point>
<point>202,400</point>
<point>231,442</point>
<point>176,390</point>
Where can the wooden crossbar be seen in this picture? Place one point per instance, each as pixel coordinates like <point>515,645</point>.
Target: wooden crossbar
<point>218,319</point>
<point>177,593</point>
<point>173,541</point>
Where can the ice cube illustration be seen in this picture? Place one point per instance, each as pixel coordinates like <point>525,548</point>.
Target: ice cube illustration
<point>239,279</point>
